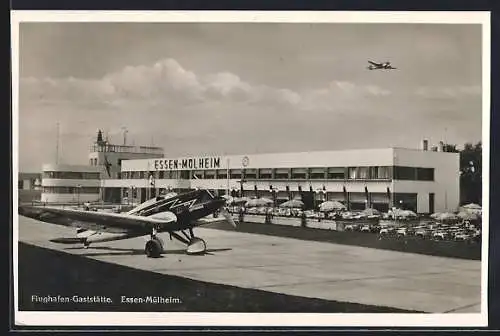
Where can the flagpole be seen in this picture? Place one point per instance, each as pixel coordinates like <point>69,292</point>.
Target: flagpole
<point>227,176</point>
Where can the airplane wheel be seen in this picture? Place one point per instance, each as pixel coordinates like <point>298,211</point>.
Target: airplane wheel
<point>153,248</point>
<point>196,246</point>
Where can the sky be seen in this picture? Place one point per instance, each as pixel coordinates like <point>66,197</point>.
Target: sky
<point>234,88</point>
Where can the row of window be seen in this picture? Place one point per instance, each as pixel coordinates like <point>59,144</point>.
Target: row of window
<point>72,175</point>
<point>334,173</point>
<point>70,190</point>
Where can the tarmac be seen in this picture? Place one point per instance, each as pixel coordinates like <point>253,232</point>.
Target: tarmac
<point>293,267</point>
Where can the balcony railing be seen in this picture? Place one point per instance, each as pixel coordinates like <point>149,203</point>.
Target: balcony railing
<point>107,148</point>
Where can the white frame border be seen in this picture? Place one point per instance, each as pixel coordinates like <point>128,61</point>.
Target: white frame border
<point>262,319</point>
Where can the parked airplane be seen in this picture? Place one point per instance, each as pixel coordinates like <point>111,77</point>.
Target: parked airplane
<point>176,214</point>
<point>376,66</point>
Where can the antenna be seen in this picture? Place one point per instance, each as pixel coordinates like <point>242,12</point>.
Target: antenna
<point>57,143</point>
<point>125,131</point>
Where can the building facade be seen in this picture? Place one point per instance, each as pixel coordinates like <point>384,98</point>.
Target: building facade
<point>29,187</point>
<point>70,183</point>
<point>420,180</point>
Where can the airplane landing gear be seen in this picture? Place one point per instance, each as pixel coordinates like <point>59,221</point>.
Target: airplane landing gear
<point>196,246</point>
<point>86,244</point>
<point>154,247</point>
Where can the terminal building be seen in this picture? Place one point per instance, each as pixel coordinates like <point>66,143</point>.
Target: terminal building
<point>422,180</point>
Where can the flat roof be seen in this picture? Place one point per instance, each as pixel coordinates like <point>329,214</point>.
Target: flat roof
<point>71,168</point>
<point>345,157</point>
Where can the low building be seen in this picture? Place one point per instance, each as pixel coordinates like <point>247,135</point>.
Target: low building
<point>70,184</point>
<point>29,187</point>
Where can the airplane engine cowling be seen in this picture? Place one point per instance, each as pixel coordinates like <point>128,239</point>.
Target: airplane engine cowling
<point>166,216</point>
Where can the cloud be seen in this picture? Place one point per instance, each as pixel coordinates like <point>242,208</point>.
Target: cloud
<point>440,92</point>
<point>189,112</point>
<point>167,81</point>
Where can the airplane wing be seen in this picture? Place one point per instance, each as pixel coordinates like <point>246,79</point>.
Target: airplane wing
<point>111,222</point>
<point>373,63</point>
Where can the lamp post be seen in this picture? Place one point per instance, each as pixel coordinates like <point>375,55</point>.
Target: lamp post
<point>78,187</point>
<point>132,189</point>
<point>241,187</point>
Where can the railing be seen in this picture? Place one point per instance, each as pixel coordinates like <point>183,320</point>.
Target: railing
<point>127,149</point>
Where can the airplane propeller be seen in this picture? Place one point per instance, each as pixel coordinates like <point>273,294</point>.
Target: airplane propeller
<point>224,212</point>
<point>228,217</point>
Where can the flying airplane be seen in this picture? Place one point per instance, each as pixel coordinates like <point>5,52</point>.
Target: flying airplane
<point>177,214</point>
<point>376,66</point>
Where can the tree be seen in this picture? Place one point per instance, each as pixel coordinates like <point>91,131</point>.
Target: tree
<point>471,173</point>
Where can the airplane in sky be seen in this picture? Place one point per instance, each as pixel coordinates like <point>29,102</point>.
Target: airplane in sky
<point>377,66</point>
<point>176,214</point>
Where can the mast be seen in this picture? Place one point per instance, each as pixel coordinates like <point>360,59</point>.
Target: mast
<point>57,143</point>
<point>227,176</point>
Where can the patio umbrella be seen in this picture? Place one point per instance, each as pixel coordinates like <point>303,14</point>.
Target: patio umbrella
<point>447,216</point>
<point>240,200</point>
<point>229,199</point>
<point>259,202</point>
<point>297,204</point>
<point>468,215</point>
<point>331,206</point>
<point>404,213</point>
<point>371,212</point>
<point>472,206</point>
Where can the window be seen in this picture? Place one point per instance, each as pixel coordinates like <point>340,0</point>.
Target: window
<point>210,174</point>
<point>161,174</point>
<point>72,175</point>
<point>317,173</point>
<point>425,174</point>
<point>363,173</point>
<point>20,184</point>
<point>405,173</point>
<point>71,190</point>
<point>222,174</point>
<point>336,173</point>
<point>251,173</point>
<point>353,173</point>
<point>383,173</point>
<point>266,173</point>
<point>299,173</point>
<point>198,174</point>
<point>282,174</point>
<point>184,174</point>
<point>235,173</point>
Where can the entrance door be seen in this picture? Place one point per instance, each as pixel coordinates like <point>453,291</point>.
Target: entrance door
<point>431,203</point>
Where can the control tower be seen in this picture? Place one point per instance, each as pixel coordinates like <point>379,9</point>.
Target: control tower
<point>109,157</point>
